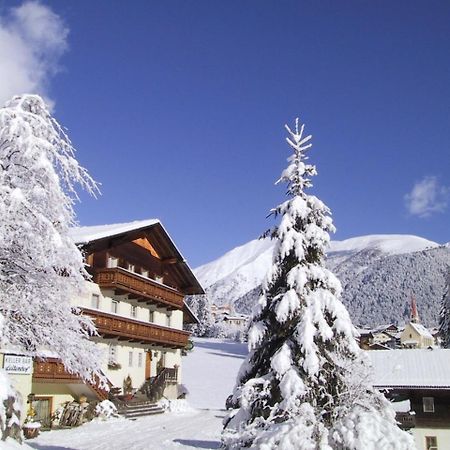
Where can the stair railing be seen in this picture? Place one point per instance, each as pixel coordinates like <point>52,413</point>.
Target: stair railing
<point>154,387</point>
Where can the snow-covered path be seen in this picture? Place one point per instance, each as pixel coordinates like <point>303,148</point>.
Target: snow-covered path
<point>209,373</point>
<point>197,429</point>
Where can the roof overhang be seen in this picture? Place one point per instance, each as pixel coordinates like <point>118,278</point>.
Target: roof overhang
<point>97,238</point>
<point>412,387</point>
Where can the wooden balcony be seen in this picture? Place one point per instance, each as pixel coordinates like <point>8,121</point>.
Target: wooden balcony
<point>406,420</point>
<point>138,287</point>
<point>123,328</point>
<point>52,370</point>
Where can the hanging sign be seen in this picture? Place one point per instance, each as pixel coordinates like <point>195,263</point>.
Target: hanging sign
<point>18,364</point>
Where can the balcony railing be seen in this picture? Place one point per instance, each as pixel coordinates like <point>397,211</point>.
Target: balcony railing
<point>406,420</point>
<point>143,289</point>
<point>52,370</point>
<point>110,325</point>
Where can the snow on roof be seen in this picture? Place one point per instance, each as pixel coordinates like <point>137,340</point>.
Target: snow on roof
<point>421,368</point>
<point>421,330</point>
<point>381,328</point>
<point>84,235</point>
<point>402,407</point>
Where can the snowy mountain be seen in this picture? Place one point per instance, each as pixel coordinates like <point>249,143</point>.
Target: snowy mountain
<point>378,273</point>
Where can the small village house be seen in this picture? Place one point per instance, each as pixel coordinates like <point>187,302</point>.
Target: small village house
<point>420,379</point>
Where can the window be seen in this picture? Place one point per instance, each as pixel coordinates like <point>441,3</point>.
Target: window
<point>130,359</point>
<point>131,267</point>
<point>114,306</point>
<point>112,354</point>
<point>431,443</point>
<point>133,311</point>
<point>151,316</point>
<point>112,262</point>
<point>144,273</point>
<point>139,359</point>
<point>159,279</point>
<point>95,301</point>
<point>428,404</point>
<point>168,320</point>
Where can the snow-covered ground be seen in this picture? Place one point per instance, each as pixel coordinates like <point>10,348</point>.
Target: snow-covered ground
<point>209,373</point>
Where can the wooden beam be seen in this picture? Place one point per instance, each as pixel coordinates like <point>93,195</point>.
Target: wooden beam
<point>169,261</point>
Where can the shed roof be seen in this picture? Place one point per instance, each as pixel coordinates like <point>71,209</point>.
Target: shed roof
<point>411,369</point>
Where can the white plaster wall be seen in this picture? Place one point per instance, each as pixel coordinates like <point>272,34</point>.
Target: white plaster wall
<point>137,374</point>
<point>125,305</point>
<point>443,437</point>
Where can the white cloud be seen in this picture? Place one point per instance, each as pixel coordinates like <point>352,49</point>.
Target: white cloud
<point>427,197</point>
<point>32,40</point>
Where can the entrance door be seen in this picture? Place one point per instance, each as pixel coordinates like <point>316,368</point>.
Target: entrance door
<point>148,363</point>
<point>42,407</point>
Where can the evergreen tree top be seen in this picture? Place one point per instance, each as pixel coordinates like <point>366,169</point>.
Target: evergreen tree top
<point>304,376</point>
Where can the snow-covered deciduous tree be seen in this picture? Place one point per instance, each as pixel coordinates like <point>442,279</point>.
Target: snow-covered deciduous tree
<point>41,269</point>
<point>444,320</point>
<point>305,383</point>
<point>201,307</point>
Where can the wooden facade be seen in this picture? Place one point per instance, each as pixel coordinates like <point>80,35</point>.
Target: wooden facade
<point>137,287</point>
<point>437,416</point>
<point>51,370</point>
<point>126,329</point>
<point>148,249</point>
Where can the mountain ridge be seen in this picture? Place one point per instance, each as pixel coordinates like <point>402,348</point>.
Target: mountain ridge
<point>378,274</point>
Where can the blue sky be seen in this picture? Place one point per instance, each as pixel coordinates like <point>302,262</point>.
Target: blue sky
<point>178,107</point>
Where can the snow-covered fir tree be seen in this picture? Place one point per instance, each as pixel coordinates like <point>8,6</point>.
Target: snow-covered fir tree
<point>41,269</point>
<point>444,322</point>
<point>305,384</point>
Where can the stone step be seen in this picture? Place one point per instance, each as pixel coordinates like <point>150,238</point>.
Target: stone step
<point>139,405</point>
<point>132,410</point>
<point>135,414</point>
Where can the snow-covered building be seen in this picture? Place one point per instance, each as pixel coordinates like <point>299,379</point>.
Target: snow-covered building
<point>136,299</point>
<point>234,320</point>
<point>219,310</point>
<point>383,337</point>
<point>421,376</point>
<point>415,335</point>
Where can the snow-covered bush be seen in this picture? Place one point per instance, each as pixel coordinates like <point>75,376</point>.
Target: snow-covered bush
<point>182,391</point>
<point>106,410</point>
<point>304,384</point>
<point>10,409</point>
<point>222,330</point>
<point>41,269</point>
<point>176,406</point>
